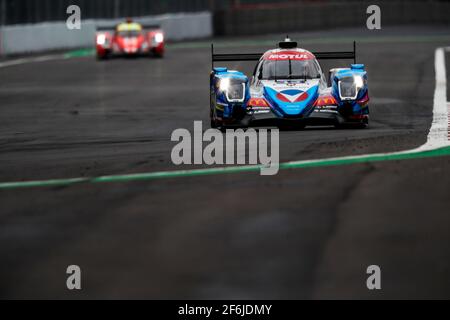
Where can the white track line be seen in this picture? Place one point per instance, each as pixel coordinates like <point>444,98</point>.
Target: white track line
<point>448,122</point>
<point>438,135</point>
<point>16,62</point>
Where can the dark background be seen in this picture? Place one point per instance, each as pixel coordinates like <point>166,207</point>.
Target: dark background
<point>32,11</point>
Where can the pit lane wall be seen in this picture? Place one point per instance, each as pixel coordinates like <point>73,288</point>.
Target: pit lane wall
<point>18,39</point>
<point>322,15</point>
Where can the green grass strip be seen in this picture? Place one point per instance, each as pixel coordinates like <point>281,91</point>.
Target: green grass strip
<point>79,53</point>
<point>42,183</point>
<point>445,151</point>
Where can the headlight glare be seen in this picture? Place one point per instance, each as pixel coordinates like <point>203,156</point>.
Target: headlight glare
<point>101,39</point>
<point>359,82</point>
<point>224,84</point>
<point>159,37</point>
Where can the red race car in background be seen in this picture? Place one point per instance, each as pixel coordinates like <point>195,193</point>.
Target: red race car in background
<point>129,39</point>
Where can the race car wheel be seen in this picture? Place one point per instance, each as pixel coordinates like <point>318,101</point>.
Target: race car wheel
<point>362,125</point>
<point>214,123</point>
<point>356,125</point>
<point>102,57</point>
<point>292,127</point>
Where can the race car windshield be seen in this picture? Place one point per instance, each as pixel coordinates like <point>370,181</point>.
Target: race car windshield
<point>129,34</point>
<point>289,69</point>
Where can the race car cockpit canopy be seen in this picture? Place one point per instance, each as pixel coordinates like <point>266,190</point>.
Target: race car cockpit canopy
<point>284,64</point>
<point>129,29</point>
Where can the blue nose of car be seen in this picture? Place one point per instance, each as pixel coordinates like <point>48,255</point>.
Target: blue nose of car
<point>292,102</point>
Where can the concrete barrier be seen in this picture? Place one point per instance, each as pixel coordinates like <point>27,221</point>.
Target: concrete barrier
<point>326,15</point>
<point>18,39</point>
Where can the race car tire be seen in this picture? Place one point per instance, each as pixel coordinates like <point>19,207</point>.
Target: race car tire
<point>102,58</point>
<point>214,124</point>
<point>360,125</point>
<point>292,127</point>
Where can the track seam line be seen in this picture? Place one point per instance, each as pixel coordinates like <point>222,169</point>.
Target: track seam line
<point>21,61</point>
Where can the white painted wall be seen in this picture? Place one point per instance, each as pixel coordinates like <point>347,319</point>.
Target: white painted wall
<point>55,35</point>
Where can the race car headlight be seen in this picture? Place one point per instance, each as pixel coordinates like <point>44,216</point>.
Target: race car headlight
<point>159,37</point>
<point>236,92</point>
<point>101,39</point>
<point>349,87</point>
<point>359,82</point>
<point>233,89</point>
<point>224,84</point>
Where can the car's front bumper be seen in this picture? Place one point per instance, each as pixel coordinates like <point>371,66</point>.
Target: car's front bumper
<point>316,118</point>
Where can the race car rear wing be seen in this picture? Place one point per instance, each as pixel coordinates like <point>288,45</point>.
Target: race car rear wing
<point>113,27</point>
<point>332,55</point>
<point>151,26</point>
<point>106,28</point>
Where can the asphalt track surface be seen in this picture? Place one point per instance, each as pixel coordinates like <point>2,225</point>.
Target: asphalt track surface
<point>305,233</point>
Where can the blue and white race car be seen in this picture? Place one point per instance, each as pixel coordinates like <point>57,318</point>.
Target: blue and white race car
<point>289,88</point>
